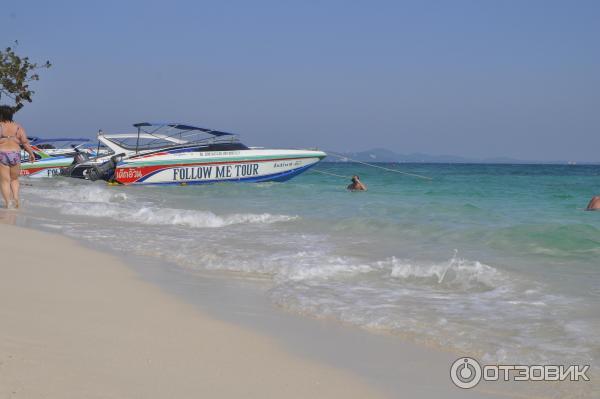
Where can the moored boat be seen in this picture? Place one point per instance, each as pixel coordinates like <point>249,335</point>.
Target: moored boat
<point>52,155</point>
<point>176,153</point>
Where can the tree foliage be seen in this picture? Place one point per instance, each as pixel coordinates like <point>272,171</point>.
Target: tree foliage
<point>16,73</point>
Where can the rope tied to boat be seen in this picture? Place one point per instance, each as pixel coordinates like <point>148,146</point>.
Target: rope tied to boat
<point>341,156</point>
<point>328,173</point>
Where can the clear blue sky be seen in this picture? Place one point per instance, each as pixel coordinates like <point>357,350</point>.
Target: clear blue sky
<point>472,78</point>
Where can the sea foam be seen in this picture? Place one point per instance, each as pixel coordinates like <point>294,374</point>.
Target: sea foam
<point>169,216</point>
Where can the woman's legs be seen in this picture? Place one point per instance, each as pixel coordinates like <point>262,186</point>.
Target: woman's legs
<point>5,184</point>
<point>15,171</point>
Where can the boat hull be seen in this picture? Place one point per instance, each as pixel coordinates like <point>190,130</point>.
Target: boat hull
<point>48,167</point>
<point>237,166</point>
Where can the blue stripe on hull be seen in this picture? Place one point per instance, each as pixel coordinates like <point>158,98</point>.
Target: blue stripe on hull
<point>277,177</point>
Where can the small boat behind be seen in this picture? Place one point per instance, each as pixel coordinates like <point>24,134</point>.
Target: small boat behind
<point>176,153</point>
<point>53,155</point>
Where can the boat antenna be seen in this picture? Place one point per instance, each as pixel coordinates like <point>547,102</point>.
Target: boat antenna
<point>98,148</point>
<point>342,156</point>
<point>137,142</point>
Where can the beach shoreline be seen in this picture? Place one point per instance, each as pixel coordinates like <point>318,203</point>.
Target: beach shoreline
<point>78,323</point>
<point>336,360</point>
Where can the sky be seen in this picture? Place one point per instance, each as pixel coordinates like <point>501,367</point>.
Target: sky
<point>474,78</point>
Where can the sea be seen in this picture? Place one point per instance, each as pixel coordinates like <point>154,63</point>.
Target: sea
<point>495,261</point>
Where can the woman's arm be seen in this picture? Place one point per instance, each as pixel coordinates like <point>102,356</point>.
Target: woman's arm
<point>24,141</point>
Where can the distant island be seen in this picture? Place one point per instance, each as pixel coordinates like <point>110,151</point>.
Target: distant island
<point>384,155</point>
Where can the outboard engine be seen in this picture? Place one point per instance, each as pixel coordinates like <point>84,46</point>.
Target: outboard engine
<point>79,158</point>
<point>104,171</point>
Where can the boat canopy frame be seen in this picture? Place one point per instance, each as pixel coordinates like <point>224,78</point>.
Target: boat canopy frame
<point>181,126</point>
<point>75,142</point>
<point>177,135</point>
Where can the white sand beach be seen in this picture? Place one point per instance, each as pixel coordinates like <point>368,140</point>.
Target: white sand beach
<point>78,324</point>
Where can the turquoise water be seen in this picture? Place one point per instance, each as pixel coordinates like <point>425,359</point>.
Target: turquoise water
<point>498,261</point>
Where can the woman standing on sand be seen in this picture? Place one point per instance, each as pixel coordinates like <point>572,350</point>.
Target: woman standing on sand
<point>12,137</point>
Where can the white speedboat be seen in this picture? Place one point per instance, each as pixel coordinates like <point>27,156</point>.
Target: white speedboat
<point>176,153</point>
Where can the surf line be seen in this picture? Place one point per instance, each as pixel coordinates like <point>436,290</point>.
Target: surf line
<point>341,156</point>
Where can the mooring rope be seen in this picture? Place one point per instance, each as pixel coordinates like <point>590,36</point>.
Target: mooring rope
<point>341,156</point>
<point>328,173</point>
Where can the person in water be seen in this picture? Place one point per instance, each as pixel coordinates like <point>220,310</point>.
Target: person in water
<point>594,204</point>
<point>356,184</point>
<point>12,137</point>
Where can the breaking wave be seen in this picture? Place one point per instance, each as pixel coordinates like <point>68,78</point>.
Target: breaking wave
<point>100,202</point>
<point>87,194</point>
<point>168,216</point>
<point>458,274</point>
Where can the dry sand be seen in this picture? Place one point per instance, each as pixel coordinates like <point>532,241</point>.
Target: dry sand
<point>75,323</point>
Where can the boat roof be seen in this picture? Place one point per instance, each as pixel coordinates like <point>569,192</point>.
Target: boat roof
<point>152,136</point>
<point>143,136</point>
<point>39,140</point>
<point>182,126</point>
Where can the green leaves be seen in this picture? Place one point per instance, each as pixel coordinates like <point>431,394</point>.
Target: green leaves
<point>15,75</point>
